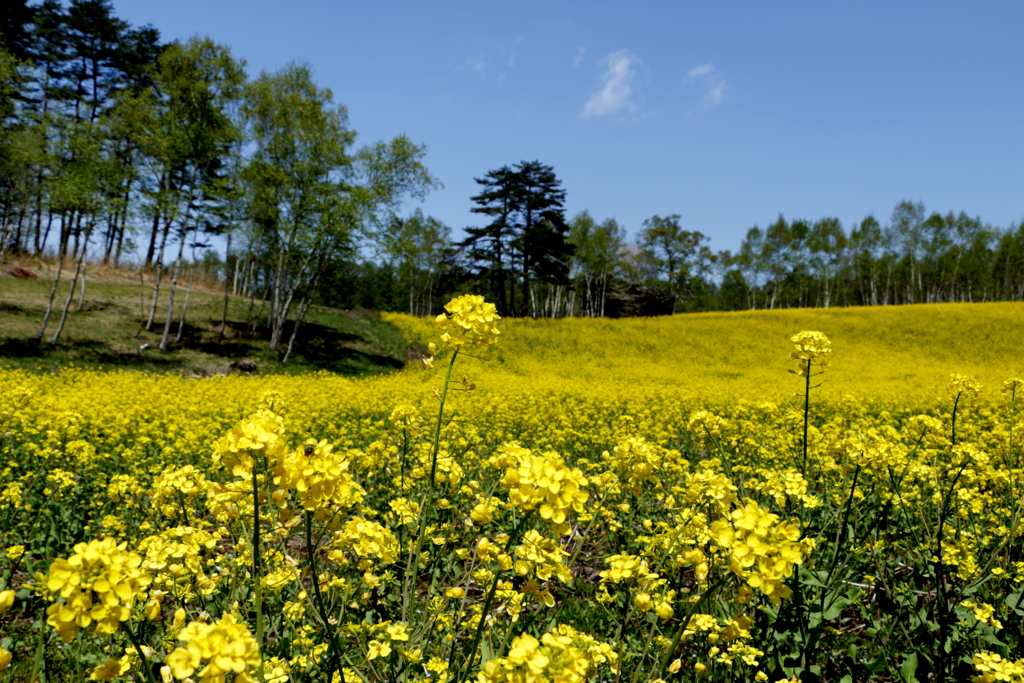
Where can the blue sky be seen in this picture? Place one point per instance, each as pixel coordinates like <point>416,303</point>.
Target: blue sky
<point>726,113</point>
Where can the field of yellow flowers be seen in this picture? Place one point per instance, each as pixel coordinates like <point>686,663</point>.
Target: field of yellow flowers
<point>766,496</point>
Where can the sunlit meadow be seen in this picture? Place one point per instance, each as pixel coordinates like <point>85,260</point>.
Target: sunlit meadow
<point>787,495</point>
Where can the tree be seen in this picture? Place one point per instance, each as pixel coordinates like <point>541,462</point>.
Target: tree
<point>544,253</point>
<point>299,163</point>
<point>826,245</point>
<point>865,244</point>
<point>307,197</point>
<point>197,81</point>
<point>416,247</point>
<point>907,230</point>
<point>597,255</point>
<point>526,237</point>
<point>489,248</point>
<point>672,250</point>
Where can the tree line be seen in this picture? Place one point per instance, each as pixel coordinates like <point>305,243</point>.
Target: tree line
<point>116,145</point>
<point>533,261</point>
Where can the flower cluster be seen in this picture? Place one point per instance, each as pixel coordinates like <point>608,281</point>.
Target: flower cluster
<point>555,657</point>
<point>319,475</point>
<point>179,559</point>
<point>227,646</point>
<point>544,482</point>
<point>812,347</point>
<point>963,386</point>
<point>763,549</point>
<point>176,489</point>
<point>98,584</point>
<point>630,569</point>
<point>367,539</point>
<point>541,557</point>
<point>470,322</point>
<point>261,432</point>
<point>635,461</point>
<point>991,668</point>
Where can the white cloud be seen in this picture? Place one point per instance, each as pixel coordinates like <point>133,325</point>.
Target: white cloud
<point>712,83</point>
<point>475,66</point>
<point>701,70</point>
<point>617,91</point>
<point>716,93</point>
<point>579,57</point>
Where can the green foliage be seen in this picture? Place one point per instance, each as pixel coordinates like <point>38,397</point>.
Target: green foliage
<point>526,240</point>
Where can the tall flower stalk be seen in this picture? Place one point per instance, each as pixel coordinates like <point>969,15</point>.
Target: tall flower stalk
<point>468,323</point>
<point>812,348</point>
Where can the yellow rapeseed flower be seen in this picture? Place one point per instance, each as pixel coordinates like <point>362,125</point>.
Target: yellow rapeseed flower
<point>227,646</point>
<point>470,322</point>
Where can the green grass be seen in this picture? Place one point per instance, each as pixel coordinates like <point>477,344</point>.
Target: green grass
<point>108,332</point>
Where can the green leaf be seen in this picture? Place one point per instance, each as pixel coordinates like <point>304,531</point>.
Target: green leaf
<point>1014,602</point>
<point>908,670</point>
<point>878,665</point>
<point>991,637</point>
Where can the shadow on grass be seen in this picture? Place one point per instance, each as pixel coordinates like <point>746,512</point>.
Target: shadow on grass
<point>330,349</point>
<point>107,307</point>
<point>350,352</point>
<point>88,352</point>
<point>6,307</point>
<point>23,348</point>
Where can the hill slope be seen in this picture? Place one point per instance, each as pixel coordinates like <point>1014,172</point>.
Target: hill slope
<point>107,333</point>
<point>897,353</point>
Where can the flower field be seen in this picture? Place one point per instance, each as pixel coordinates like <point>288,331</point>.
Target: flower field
<point>788,495</point>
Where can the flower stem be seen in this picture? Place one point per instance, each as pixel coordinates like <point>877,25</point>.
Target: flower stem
<point>428,500</point>
<point>335,663</point>
<point>256,567</point>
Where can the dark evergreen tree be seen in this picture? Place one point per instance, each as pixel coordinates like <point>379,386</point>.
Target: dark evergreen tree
<point>526,238</point>
<point>488,249</point>
<point>543,251</point>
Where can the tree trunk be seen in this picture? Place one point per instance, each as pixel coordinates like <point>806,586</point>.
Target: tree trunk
<point>299,317</point>
<point>174,286</point>
<point>188,297</point>
<point>81,295</point>
<point>279,316</point>
<point>159,276</point>
<point>5,234</point>
<point>71,292</point>
<point>156,223</point>
<point>46,235</point>
<point>56,281</point>
<point>227,281</point>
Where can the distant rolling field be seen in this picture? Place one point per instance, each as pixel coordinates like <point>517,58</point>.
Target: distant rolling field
<point>898,353</point>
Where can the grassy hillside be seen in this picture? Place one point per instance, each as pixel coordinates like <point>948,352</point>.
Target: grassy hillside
<point>885,353</point>
<point>889,353</point>
<point>107,333</point>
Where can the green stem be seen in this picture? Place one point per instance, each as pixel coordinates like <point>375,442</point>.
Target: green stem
<point>142,654</point>
<point>424,514</point>
<point>1012,464</point>
<point>683,623</point>
<point>333,655</point>
<point>807,415</point>
<point>184,508</point>
<point>256,567</point>
<point>37,660</point>
<point>956,402</point>
<point>470,656</point>
<point>842,530</point>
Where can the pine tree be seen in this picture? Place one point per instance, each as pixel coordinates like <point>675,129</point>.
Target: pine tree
<point>526,238</point>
